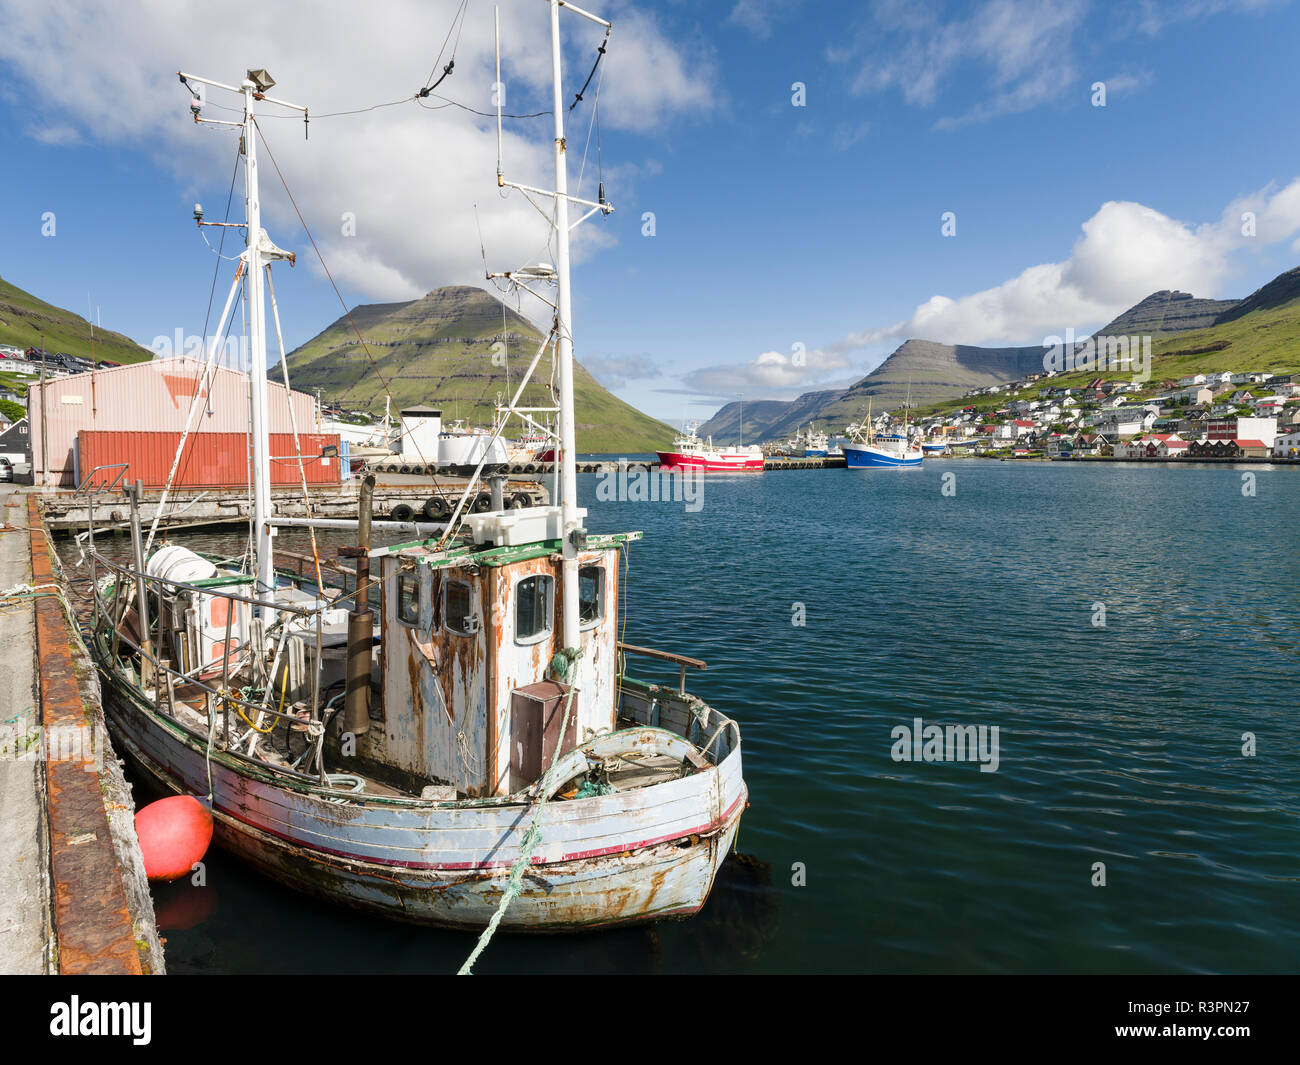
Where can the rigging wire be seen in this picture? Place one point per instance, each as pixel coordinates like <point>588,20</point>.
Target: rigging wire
<point>448,102</point>
<point>216,270</point>
<point>417,97</point>
<point>346,311</point>
<point>594,122</point>
<point>459,16</point>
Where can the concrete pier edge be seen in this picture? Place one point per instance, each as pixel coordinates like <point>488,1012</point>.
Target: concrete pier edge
<point>103,916</point>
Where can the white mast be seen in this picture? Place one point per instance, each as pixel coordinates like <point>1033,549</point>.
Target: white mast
<point>570,521</point>
<point>564,352</point>
<point>257,354</point>
<point>259,252</point>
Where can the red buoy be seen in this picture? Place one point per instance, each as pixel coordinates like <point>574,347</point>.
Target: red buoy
<point>174,834</point>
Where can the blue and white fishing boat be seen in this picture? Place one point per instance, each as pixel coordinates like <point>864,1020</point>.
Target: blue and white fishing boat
<point>888,450</point>
<point>866,449</point>
<point>934,447</point>
<point>454,740</point>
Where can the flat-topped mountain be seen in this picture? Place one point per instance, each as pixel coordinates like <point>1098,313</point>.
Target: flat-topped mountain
<point>438,350</point>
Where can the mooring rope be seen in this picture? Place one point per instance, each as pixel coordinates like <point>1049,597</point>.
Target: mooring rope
<point>534,834</point>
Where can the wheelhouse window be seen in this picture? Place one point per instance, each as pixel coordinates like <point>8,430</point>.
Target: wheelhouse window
<point>534,606</point>
<point>591,595</point>
<point>408,598</point>
<point>458,608</point>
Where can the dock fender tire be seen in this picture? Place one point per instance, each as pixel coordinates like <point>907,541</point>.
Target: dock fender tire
<point>402,512</point>
<point>435,508</point>
<point>482,504</point>
<point>519,501</point>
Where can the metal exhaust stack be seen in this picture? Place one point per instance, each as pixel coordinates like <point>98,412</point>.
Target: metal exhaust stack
<point>361,623</point>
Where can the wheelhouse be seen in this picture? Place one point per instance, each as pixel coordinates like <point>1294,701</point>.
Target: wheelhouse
<point>472,699</point>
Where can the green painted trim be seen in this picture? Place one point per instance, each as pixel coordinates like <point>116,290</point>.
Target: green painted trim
<point>501,556</point>
<point>218,582</point>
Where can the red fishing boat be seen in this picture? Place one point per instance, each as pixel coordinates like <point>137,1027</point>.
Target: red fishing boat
<point>690,453</point>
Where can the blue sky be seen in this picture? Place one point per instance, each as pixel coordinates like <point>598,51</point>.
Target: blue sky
<point>775,224</point>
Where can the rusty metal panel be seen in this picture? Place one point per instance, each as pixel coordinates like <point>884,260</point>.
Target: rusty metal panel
<point>435,683</point>
<point>210,460</point>
<point>536,714</point>
<point>154,395</point>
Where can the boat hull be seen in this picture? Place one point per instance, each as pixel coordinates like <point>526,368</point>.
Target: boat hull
<point>718,462</point>
<point>646,854</point>
<point>866,456</point>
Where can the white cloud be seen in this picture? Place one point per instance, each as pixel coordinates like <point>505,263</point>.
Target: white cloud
<point>1152,17</point>
<point>1124,252</point>
<point>1022,47</point>
<point>1126,83</point>
<point>59,136</point>
<point>847,134</point>
<point>1005,56</point>
<point>105,71</point>
<point>758,16</point>
<point>770,375</point>
<point>614,371</point>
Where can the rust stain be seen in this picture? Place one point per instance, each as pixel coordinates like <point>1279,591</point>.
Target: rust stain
<point>92,923</point>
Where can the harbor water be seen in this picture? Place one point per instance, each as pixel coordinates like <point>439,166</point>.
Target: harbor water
<point>1129,630</point>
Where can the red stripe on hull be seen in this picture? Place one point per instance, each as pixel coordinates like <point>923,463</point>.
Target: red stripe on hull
<point>673,460</point>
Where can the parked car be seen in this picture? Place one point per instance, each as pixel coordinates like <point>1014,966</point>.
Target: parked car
<point>6,470</point>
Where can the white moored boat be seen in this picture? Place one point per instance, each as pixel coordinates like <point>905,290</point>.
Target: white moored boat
<point>446,734</point>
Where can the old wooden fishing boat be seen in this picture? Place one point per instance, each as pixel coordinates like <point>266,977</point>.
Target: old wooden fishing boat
<point>444,732</point>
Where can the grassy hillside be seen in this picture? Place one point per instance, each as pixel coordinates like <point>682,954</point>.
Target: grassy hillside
<point>23,318</point>
<point>1264,339</point>
<point>438,351</point>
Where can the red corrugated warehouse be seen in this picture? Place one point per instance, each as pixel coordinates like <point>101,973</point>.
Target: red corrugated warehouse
<point>162,395</point>
<point>210,460</point>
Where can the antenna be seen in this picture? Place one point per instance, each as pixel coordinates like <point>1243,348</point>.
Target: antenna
<point>496,26</point>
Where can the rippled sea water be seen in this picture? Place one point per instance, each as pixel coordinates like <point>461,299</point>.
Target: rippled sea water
<point>1119,744</point>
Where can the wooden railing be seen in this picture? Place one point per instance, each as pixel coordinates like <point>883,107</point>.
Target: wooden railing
<point>666,656</point>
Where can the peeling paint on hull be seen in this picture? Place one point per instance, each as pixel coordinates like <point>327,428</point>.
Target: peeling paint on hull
<point>639,855</point>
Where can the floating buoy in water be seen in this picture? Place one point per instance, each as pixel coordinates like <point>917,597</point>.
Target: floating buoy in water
<point>174,834</point>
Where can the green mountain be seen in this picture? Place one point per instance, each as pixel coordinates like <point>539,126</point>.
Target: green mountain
<point>438,350</point>
<point>24,319</point>
<point>1189,336</point>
